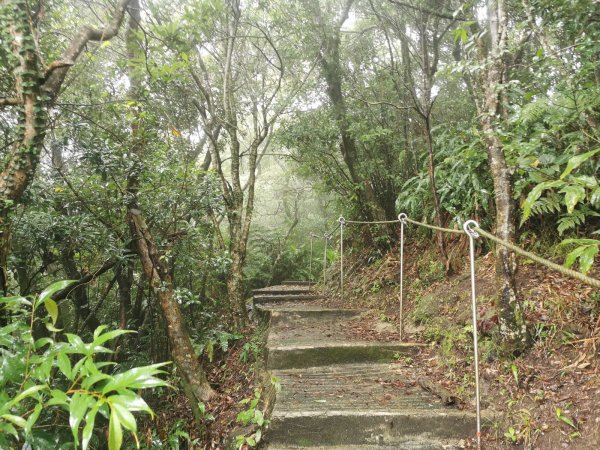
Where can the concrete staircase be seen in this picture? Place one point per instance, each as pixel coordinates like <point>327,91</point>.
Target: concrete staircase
<point>339,392</point>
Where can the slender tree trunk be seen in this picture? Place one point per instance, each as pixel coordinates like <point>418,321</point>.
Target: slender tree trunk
<point>80,293</point>
<point>329,59</point>
<point>439,221</point>
<point>513,331</point>
<point>189,368</point>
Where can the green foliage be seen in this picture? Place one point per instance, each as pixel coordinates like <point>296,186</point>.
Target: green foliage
<point>46,379</point>
<point>252,415</point>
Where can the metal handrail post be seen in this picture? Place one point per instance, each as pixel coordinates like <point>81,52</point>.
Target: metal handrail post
<point>342,222</point>
<point>402,218</point>
<point>325,258</point>
<point>310,260</point>
<point>468,227</point>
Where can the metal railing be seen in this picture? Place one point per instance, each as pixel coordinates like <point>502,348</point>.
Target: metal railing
<point>472,230</point>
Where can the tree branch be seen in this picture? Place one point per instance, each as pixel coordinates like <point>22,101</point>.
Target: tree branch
<point>9,101</point>
<point>58,69</point>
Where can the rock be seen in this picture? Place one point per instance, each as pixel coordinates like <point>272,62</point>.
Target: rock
<point>385,327</point>
<point>413,329</point>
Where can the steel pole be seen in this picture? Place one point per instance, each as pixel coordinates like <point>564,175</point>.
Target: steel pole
<point>468,227</point>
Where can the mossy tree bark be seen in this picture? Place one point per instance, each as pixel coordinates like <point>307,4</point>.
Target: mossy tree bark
<point>35,87</point>
<point>493,54</point>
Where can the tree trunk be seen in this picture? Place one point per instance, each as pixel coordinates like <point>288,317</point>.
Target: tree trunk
<point>78,294</point>
<point>35,91</point>
<point>434,194</point>
<point>189,368</point>
<point>331,69</point>
<point>513,331</point>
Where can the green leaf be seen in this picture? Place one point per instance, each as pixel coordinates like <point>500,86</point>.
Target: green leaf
<point>586,259</point>
<point>58,397</point>
<point>8,428</point>
<point>52,328</point>
<point>88,430</point>
<point>99,331</point>
<point>115,432</point>
<point>572,256</point>
<point>576,161</point>
<point>79,405</point>
<point>131,401</point>
<point>26,393</point>
<point>33,417</point>
<point>125,417</point>
<point>52,309</point>
<point>42,342</point>
<point>565,419</point>
<point>581,241</point>
<point>15,301</point>
<point>535,194</point>
<point>17,420</point>
<point>573,195</point>
<point>259,418</point>
<point>64,364</point>
<point>102,338</point>
<point>586,181</point>
<point>53,289</point>
<point>136,378</point>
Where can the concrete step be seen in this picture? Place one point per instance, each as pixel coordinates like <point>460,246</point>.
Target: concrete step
<point>259,299</point>
<point>293,290</point>
<point>281,314</point>
<point>308,336</point>
<point>404,445</point>
<point>361,406</point>
<point>298,283</point>
<point>282,317</point>
<point>322,353</point>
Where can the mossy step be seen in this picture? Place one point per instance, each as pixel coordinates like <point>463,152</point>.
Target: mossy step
<point>278,291</point>
<point>289,317</point>
<point>299,283</point>
<point>410,444</point>
<point>358,405</point>
<point>295,328</point>
<point>260,299</point>
<point>280,314</point>
<point>323,354</point>
<point>365,427</point>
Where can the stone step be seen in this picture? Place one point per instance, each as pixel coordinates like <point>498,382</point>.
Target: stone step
<point>282,313</point>
<point>282,317</point>
<point>298,283</point>
<point>359,406</point>
<point>406,445</point>
<point>260,299</point>
<point>323,353</point>
<point>293,290</point>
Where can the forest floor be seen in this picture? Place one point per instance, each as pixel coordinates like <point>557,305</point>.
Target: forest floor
<point>235,374</point>
<point>546,398</point>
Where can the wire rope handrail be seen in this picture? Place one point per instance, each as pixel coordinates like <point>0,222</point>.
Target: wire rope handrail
<point>375,222</point>
<point>551,265</point>
<point>471,229</point>
<point>434,227</point>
